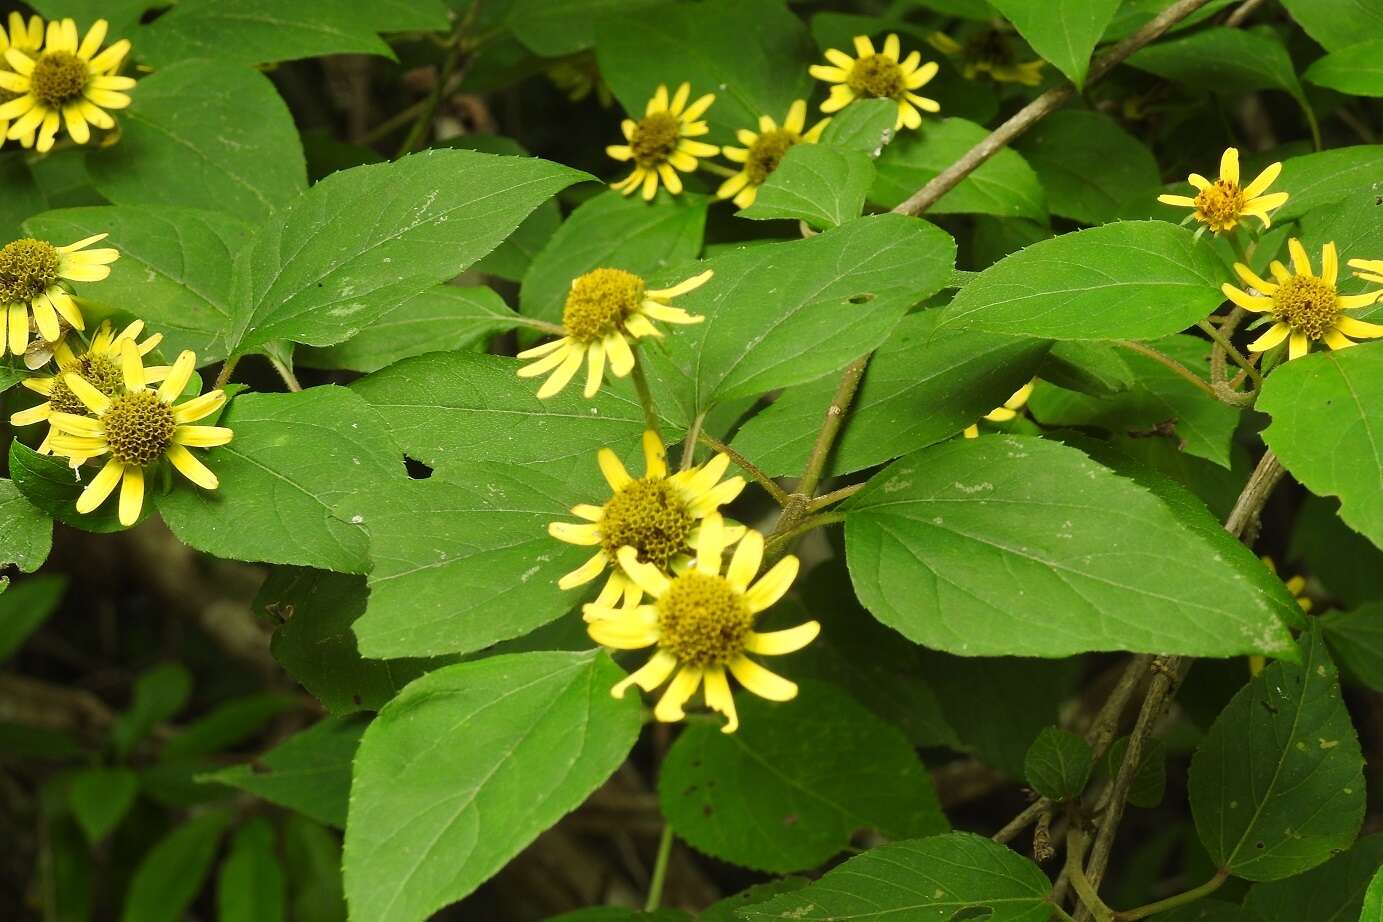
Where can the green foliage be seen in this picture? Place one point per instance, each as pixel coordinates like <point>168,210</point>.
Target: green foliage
<point>1064,32</point>
<point>1005,185</point>
<point>1335,889</point>
<point>170,875</point>
<point>1354,69</point>
<point>100,797</point>
<point>24,607</point>
<point>1058,764</point>
<point>1336,24</point>
<point>1356,638</point>
<point>820,184</point>
<point>250,887</point>
<point>26,534</point>
<point>1091,168</point>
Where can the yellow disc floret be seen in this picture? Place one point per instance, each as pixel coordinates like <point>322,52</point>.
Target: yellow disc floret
<point>650,516</point>
<point>655,138</point>
<point>99,370</point>
<point>139,428</point>
<point>876,75</point>
<point>1307,304</point>
<point>1220,204</point>
<point>703,621</point>
<point>767,152</point>
<point>27,268</point>
<point>58,79</point>
<point>600,301</point>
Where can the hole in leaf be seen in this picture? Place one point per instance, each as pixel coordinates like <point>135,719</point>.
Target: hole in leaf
<point>417,470</point>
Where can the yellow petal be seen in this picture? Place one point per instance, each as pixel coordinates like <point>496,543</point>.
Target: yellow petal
<point>1359,329</point>
<point>746,560</point>
<point>1330,263</point>
<point>1229,165</point>
<point>562,376</point>
<point>670,707</point>
<point>773,585</point>
<point>710,544</point>
<point>1300,261</point>
<point>776,643</point>
<point>719,698</point>
<point>191,468</point>
<point>100,487</point>
<point>595,369</point>
<point>1297,346</point>
<point>131,495</point>
<point>654,455</point>
<point>1275,334</point>
<point>198,407</point>
<point>173,385</point>
<point>91,398</point>
<point>585,535</point>
<point>1253,278</point>
<point>584,573</point>
<point>1248,302</point>
<point>1262,181</point>
<point>645,575</point>
<point>761,681</point>
<point>72,424</point>
<point>615,475</point>
<point>649,676</point>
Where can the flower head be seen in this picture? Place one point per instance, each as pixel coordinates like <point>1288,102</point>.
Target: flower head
<point>1220,205</point>
<point>990,51</point>
<point>657,515</point>
<point>604,308</point>
<point>764,149</point>
<point>27,37</point>
<point>1303,306</point>
<point>702,623</point>
<point>30,274</point>
<point>661,142</point>
<point>878,75</point>
<point>67,83</point>
<point>137,427</point>
<point>99,366</point>
<point>1008,411</point>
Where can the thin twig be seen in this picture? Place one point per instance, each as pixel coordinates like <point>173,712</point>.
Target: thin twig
<point>227,369</point>
<point>1169,362</point>
<point>689,444</point>
<point>835,417</point>
<point>780,496</point>
<point>650,410</point>
<point>655,887</point>
<point>1172,902</point>
<point>1242,12</point>
<point>777,541</point>
<point>1086,889</point>
<point>434,98</point>
<point>1221,338</point>
<point>835,496</point>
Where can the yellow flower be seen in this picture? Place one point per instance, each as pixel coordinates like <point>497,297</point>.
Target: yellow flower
<point>1006,412</point>
<point>66,84</point>
<point>1297,587</point>
<point>30,271</point>
<point>661,142</point>
<point>1219,205</point>
<point>603,309</point>
<point>878,75</point>
<point>27,38</point>
<point>1302,305</point>
<point>1370,270</point>
<point>657,515</point>
<point>764,150</point>
<point>703,624</point>
<point>98,366</point>
<point>989,52</point>
<point>137,427</point>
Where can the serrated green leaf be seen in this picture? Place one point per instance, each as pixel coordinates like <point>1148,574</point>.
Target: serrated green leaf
<point>175,264</point>
<point>310,772</point>
<point>1058,764</point>
<point>786,791</point>
<point>159,693</point>
<point>1354,69</point>
<point>1222,59</point>
<point>728,909</point>
<point>940,876</point>
<point>25,606</point>
<point>1089,166</point>
<point>259,31</point>
<point>204,134</point>
<point>1128,280</point>
<point>614,232</point>
<point>816,183</point>
<point>1300,799</point>
<point>865,125</point>
<point>1064,32</point>
<point>170,875</point>
<point>540,731</point>
<point>291,481</point>
<point>100,798</point>
<point>1004,185</point>
<point>1327,415</point>
<point>1337,24</point>
<point>940,542</point>
<point>920,387</point>
<point>362,240</point>
<point>1327,177</point>
<point>1335,890</point>
<point>26,534</point>
<point>1356,639</point>
<point>251,887</point>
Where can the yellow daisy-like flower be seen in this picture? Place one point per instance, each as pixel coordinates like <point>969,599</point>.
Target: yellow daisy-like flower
<point>138,427</point>
<point>66,84</point>
<point>878,75</point>
<point>657,515</point>
<point>702,623</point>
<point>604,308</point>
<point>1220,205</point>
<point>1305,307</point>
<point>27,37</point>
<point>99,366</point>
<point>661,143</point>
<point>1006,412</point>
<point>764,149</point>
<point>1370,270</point>
<point>30,281</point>
<point>991,52</point>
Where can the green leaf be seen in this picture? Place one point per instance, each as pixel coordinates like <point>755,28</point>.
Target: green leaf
<point>1335,890</point>
<point>26,534</point>
<point>1352,225</point>
<point>293,481</point>
<point>754,56</point>
<point>786,313</point>
<point>1089,166</point>
<point>1224,60</point>
<point>175,264</point>
<point>1373,900</point>
<point>728,909</point>
<point>1128,280</point>
<point>921,387</point>
<point>865,125</point>
<point>788,789</point>
<point>159,693</point>
<point>463,559</point>
<point>615,232</point>
<point>1344,561</point>
<point>540,731</point>
<point>1326,177</point>
<point>816,183</point>
<point>312,858</point>
<point>939,540</point>
<point>1327,429</point>
<point>1337,24</point>
<point>310,772</point>
<point>442,319</point>
<point>251,886</point>
<point>1300,799</point>
<point>1064,32</point>
<point>258,31</point>
<point>1004,185</point>
<point>1355,637</point>
<point>122,14</point>
<point>553,28</point>
<point>204,134</point>
<point>362,240</point>
<point>51,488</point>
<point>22,197</point>
<point>314,642</point>
<point>24,608</point>
<point>100,798</point>
<point>170,875</point>
<point>226,726</point>
<point>940,876</point>
<point>1093,368</point>
<point>1058,764</point>
<point>1355,69</point>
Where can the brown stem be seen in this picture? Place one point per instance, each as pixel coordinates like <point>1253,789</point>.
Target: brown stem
<point>835,418</point>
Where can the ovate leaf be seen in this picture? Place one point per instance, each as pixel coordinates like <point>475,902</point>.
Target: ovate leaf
<point>170,875</point>
<point>24,606</point>
<point>1373,900</point>
<point>26,534</point>
<point>51,488</point>
<point>100,798</point>
<point>1058,764</point>
<point>816,183</point>
<point>1062,31</point>
<point>531,736</point>
<point>966,545</point>
<point>1128,280</point>
<point>1328,176</point>
<point>1300,798</point>
<point>1355,69</point>
<point>553,28</point>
